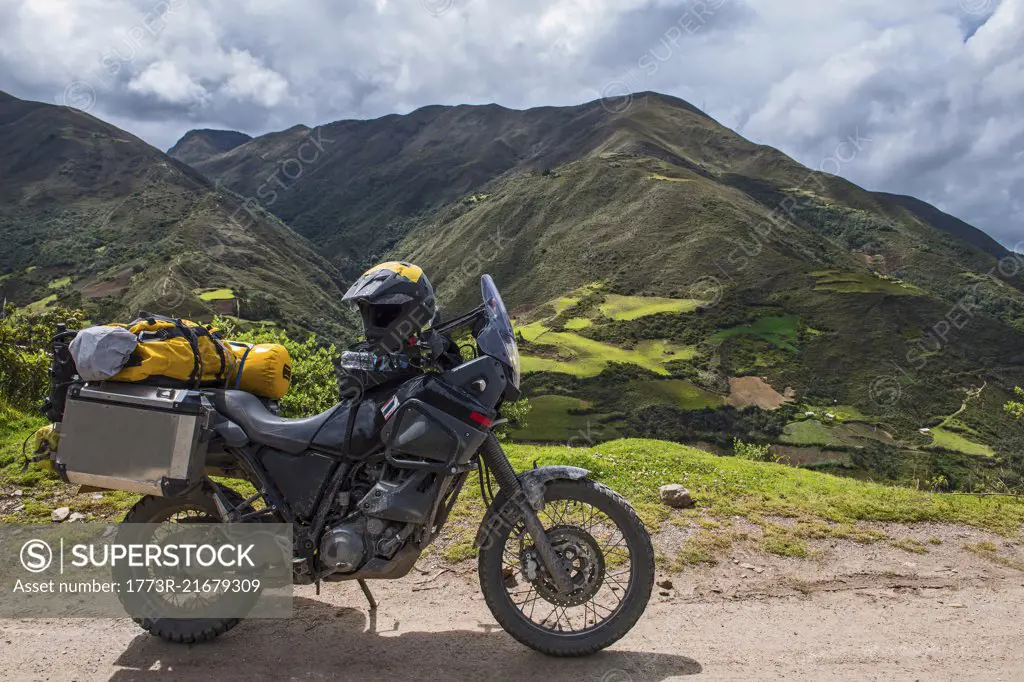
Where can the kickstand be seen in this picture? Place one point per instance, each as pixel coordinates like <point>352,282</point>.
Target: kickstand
<point>369,595</point>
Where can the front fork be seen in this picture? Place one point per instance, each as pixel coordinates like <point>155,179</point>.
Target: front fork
<point>526,500</point>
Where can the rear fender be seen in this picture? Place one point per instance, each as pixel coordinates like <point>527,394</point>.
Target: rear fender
<point>533,482</point>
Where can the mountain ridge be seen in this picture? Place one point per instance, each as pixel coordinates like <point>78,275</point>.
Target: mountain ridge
<point>95,217</point>
<point>197,144</point>
<point>621,131</point>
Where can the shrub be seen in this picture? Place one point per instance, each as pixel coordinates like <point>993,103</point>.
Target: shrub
<point>1016,408</point>
<point>515,413</point>
<point>24,353</point>
<point>753,451</point>
<point>314,386</point>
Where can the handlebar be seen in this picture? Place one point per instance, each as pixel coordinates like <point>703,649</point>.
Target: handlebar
<point>467,318</point>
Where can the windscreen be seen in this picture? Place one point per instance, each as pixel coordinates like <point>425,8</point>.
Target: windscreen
<point>497,339</point>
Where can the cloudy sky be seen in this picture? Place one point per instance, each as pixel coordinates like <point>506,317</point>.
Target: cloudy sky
<point>934,87</point>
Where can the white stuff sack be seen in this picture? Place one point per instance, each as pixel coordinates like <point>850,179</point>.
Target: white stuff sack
<point>102,352</point>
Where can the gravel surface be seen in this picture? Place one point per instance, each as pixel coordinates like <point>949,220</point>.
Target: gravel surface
<point>858,612</point>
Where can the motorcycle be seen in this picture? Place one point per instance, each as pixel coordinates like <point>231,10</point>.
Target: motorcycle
<point>565,564</point>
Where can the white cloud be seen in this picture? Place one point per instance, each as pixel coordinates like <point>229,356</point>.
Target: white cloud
<point>249,80</point>
<point>166,82</point>
<point>939,89</point>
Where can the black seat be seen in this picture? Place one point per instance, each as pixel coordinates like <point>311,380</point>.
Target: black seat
<point>261,426</point>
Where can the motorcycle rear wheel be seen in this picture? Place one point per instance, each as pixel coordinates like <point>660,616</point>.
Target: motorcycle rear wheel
<point>608,553</point>
<point>200,507</point>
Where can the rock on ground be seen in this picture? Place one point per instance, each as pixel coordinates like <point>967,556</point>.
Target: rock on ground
<point>675,495</point>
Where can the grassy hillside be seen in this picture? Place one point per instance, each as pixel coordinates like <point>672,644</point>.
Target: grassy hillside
<point>93,217</point>
<point>845,298</point>
<point>726,489</point>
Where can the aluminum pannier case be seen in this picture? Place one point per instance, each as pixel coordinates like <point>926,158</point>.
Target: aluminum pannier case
<point>133,437</point>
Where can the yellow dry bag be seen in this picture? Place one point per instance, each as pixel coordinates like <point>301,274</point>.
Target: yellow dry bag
<point>179,350</point>
<point>263,369</point>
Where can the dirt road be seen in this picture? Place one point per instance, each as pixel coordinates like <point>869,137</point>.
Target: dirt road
<point>855,612</point>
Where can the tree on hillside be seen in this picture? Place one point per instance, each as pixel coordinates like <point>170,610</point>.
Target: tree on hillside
<point>25,352</point>
<point>1014,407</point>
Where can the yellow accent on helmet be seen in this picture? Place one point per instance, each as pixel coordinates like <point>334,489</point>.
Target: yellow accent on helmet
<point>408,270</point>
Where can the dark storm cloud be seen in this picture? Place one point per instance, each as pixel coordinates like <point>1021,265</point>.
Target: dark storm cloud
<point>657,32</point>
<point>936,85</point>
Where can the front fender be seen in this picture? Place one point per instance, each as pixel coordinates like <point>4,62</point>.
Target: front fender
<point>532,482</point>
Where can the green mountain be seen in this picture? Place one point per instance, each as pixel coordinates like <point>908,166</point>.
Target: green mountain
<point>92,216</point>
<point>673,279</point>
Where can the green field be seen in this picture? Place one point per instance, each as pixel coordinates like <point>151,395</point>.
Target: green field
<point>41,305</point>
<point>578,323</point>
<point>215,294</point>
<point>781,332</point>
<point>861,283</point>
<point>583,357</point>
<point>948,439</point>
<point>810,432</point>
<point>631,307</point>
<point>549,420</point>
<point>60,282</point>
<point>679,392</point>
<point>580,356</point>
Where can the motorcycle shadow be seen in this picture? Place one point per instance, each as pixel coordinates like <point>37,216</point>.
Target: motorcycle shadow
<point>324,641</point>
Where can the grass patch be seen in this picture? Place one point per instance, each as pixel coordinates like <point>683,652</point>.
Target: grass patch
<point>948,439</point>
<point>680,392</point>
<point>704,547</point>
<point>781,332</point>
<point>60,282</point>
<point>550,420</point>
<point>813,529</point>
<point>910,545</point>
<point>781,541</point>
<point>665,178</point>
<point>809,432</point>
<point>632,307</point>
<point>861,283</point>
<point>42,304</point>
<point>578,323</point>
<point>988,550</point>
<point>215,294</point>
<point>583,357</point>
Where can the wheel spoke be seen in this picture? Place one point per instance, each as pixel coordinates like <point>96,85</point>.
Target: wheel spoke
<point>596,554</point>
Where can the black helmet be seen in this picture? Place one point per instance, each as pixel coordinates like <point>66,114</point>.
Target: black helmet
<point>395,300</point>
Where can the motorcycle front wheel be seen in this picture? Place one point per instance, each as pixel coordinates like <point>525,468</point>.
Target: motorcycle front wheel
<point>605,548</point>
